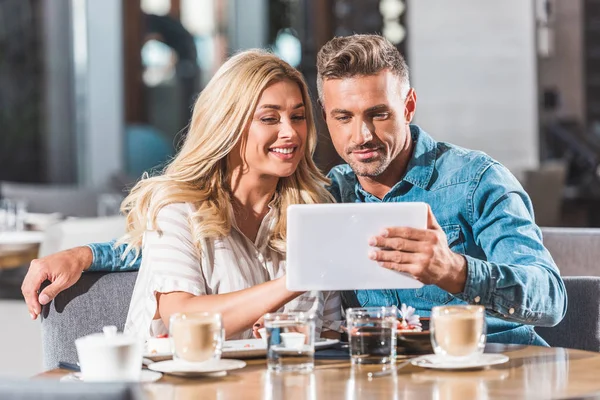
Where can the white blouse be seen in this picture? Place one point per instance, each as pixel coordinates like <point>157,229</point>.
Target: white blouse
<point>172,263</point>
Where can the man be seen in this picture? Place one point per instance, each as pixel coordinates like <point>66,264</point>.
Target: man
<point>485,249</point>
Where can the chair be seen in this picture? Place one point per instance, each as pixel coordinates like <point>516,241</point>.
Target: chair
<point>545,187</point>
<point>580,329</point>
<point>53,390</point>
<point>97,300</point>
<point>78,232</point>
<point>576,251</point>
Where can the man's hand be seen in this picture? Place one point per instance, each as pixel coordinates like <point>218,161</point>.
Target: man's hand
<point>422,253</point>
<point>63,269</point>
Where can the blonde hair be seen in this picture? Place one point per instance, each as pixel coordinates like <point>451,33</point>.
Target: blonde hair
<point>199,173</point>
<point>355,55</point>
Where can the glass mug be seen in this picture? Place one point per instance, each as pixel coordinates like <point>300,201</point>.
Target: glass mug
<point>196,337</point>
<point>458,332</point>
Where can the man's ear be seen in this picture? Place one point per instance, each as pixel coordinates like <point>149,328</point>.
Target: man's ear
<point>410,105</point>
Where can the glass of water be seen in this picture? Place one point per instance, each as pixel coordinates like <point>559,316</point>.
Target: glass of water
<point>372,335</point>
<point>290,341</point>
<point>12,214</point>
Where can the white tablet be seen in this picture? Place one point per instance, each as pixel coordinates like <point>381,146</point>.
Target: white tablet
<point>327,245</point>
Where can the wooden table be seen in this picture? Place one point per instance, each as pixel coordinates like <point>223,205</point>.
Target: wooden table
<point>532,373</point>
<point>15,259</point>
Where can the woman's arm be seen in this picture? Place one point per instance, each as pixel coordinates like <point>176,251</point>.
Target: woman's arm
<point>239,310</point>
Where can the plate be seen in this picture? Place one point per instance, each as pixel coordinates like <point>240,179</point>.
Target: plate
<point>436,362</point>
<point>252,348</point>
<point>145,377</point>
<point>211,367</point>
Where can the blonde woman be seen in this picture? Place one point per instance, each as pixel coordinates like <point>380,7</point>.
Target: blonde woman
<point>212,227</point>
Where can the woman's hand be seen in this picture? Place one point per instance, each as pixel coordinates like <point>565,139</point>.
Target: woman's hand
<point>258,325</point>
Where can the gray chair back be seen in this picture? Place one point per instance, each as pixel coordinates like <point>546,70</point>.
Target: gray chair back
<point>576,251</point>
<point>53,390</point>
<point>97,300</point>
<point>580,329</point>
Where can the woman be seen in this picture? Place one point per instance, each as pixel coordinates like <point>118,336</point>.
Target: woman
<point>213,225</point>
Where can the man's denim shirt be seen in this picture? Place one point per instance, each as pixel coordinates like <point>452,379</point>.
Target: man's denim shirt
<point>487,217</point>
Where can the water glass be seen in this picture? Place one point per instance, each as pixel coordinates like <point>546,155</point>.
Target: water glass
<point>372,335</point>
<point>290,341</point>
<point>12,215</point>
<point>458,333</point>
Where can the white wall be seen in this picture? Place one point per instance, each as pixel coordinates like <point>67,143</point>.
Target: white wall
<point>473,65</point>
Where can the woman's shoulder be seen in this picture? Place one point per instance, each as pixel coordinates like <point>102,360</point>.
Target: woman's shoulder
<point>175,211</point>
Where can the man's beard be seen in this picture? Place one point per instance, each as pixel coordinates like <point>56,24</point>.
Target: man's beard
<point>369,169</point>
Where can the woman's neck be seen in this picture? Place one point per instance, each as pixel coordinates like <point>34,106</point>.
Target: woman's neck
<point>252,193</point>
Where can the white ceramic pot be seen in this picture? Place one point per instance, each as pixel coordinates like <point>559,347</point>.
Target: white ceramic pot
<point>109,356</point>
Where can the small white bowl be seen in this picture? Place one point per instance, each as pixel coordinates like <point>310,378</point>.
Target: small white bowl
<point>293,340</point>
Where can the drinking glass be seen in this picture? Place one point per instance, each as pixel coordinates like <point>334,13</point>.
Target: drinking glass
<point>290,341</point>
<point>372,334</point>
<point>12,215</point>
<point>458,332</point>
<point>196,337</point>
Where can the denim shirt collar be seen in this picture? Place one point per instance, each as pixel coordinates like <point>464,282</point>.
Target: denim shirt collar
<point>420,167</point>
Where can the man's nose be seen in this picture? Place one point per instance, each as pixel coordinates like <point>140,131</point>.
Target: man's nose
<point>362,133</point>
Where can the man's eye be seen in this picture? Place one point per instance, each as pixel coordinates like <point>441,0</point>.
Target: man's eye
<point>342,118</point>
<point>381,116</point>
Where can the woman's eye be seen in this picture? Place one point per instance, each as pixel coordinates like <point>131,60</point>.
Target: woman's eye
<point>299,117</point>
<point>269,120</point>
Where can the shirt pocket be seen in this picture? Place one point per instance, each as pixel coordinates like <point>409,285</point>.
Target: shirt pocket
<point>456,240</point>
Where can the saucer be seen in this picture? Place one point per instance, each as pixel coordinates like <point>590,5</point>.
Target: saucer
<point>182,368</point>
<point>436,362</point>
<point>145,377</point>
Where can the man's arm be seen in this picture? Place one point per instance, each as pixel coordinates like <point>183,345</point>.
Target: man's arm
<point>63,270</point>
<point>519,281</point>
<point>110,258</point>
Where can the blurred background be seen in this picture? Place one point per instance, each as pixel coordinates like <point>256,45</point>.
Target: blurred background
<point>94,93</point>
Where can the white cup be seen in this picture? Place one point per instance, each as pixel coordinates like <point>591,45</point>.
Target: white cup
<point>293,340</point>
<point>109,356</point>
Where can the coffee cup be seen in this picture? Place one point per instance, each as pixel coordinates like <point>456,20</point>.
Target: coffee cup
<point>196,337</point>
<point>109,356</point>
<point>458,332</point>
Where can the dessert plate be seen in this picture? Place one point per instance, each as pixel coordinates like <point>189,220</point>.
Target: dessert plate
<point>146,376</point>
<point>251,348</point>
<point>436,362</point>
<point>187,369</point>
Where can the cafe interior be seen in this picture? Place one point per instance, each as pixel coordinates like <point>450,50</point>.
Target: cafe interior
<point>96,95</point>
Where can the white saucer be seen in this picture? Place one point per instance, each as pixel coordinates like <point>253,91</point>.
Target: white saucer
<point>145,377</point>
<point>437,362</point>
<point>210,367</point>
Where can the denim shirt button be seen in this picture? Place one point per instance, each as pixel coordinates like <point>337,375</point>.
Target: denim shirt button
<point>511,311</point>
<point>477,299</point>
